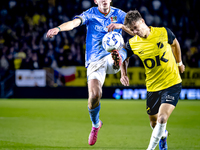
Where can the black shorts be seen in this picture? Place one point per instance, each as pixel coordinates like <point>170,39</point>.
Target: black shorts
<point>155,99</point>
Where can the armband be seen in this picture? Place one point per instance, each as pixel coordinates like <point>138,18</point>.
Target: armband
<point>180,63</point>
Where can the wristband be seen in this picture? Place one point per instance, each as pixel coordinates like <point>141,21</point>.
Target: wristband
<point>58,28</point>
<point>180,63</point>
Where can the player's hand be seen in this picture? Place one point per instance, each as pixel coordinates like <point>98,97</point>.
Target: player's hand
<point>114,26</point>
<point>124,80</point>
<point>181,68</point>
<point>52,32</point>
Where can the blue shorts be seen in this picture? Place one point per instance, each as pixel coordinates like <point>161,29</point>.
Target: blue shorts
<point>155,99</point>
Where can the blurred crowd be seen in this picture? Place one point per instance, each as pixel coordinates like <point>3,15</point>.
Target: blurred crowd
<point>24,23</point>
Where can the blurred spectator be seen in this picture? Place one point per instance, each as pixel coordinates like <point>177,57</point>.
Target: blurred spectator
<point>10,60</point>
<point>47,62</point>
<point>4,63</point>
<point>18,58</point>
<point>35,62</point>
<point>26,63</point>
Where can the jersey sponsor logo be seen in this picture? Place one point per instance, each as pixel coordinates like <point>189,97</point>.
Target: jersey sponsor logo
<point>100,28</point>
<point>153,62</point>
<point>164,59</point>
<point>169,98</point>
<point>113,19</point>
<point>160,45</point>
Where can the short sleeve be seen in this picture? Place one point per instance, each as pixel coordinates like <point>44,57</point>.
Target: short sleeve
<point>84,16</point>
<point>171,36</point>
<point>122,15</point>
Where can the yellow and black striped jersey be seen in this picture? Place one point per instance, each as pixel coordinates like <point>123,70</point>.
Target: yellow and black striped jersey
<point>156,54</point>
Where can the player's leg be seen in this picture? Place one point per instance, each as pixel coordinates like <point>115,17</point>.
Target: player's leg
<point>163,140</point>
<point>95,82</point>
<point>163,115</point>
<point>152,107</point>
<point>153,120</point>
<point>95,93</point>
<point>169,99</point>
<point>118,57</point>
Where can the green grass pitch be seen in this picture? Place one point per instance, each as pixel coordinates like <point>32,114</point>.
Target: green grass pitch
<point>65,124</point>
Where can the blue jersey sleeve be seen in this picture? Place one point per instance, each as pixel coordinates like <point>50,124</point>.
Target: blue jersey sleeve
<point>84,17</point>
<point>122,15</point>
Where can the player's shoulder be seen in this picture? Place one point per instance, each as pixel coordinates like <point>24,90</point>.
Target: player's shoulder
<point>117,9</point>
<point>155,29</point>
<point>91,10</point>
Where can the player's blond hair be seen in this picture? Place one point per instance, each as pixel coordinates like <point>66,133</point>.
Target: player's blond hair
<point>132,16</point>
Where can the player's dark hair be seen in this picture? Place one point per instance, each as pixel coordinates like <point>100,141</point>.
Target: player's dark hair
<point>132,16</point>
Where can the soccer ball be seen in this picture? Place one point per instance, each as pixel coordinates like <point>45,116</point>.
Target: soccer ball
<point>112,40</point>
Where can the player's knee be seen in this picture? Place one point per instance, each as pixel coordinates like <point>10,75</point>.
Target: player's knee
<point>153,124</point>
<point>162,118</point>
<point>94,98</point>
<point>93,105</point>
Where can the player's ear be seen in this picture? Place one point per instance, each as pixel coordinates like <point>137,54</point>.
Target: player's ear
<point>142,20</point>
<point>95,1</point>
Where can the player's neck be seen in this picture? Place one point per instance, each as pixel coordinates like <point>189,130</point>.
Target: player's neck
<point>148,31</point>
<point>104,11</point>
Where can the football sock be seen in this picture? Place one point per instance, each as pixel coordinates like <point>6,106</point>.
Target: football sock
<point>96,125</point>
<point>156,135</point>
<point>94,116</point>
<point>164,133</point>
<point>123,54</point>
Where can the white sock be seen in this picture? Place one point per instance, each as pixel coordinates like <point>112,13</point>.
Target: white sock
<point>157,133</point>
<point>96,125</point>
<point>164,133</point>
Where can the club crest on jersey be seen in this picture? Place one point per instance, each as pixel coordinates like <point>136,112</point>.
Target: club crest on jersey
<point>113,19</point>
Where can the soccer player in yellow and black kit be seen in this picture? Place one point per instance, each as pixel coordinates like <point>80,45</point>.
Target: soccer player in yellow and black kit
<point>160,53</point>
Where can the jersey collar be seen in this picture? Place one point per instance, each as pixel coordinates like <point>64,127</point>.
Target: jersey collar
<point>105,14</point>
<point>151,31</point>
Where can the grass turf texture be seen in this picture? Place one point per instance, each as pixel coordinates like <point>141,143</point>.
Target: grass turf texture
<point>65,124</point>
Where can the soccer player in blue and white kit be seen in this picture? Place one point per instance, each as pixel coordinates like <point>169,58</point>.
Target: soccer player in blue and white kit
<point>99,21</point>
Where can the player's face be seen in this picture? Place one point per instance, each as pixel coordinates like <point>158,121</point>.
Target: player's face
<point>103,5</point>
<point>138,28</point>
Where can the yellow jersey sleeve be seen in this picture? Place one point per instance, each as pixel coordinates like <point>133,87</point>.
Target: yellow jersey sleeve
<point>156,54</point>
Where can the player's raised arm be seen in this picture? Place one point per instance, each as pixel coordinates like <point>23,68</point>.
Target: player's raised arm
<point>113,26</point>
<point>177,54</point>
<point>67,26</point>
<point>124,78</point>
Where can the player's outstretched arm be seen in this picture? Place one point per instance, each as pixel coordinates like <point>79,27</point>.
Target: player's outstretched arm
<point>113,26</point>
<point>124,78</point>
<point>177,54</point>
<point>67,26</point>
